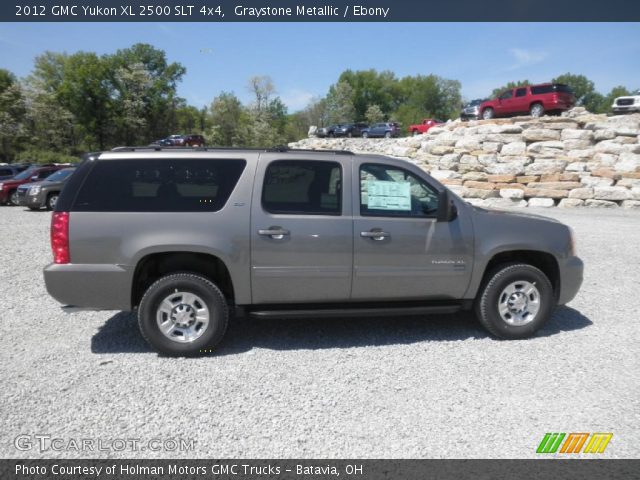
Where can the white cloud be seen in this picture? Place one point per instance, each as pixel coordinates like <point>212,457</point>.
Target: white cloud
<point>524,58</point>
<point>296,99</point>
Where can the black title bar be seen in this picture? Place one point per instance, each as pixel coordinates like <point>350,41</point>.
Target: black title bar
<point>320,11</point>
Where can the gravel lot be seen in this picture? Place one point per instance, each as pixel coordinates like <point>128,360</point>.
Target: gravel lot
<point>385,388</point>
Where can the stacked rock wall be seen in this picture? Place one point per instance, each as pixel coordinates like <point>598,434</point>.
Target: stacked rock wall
<point>578,160</point>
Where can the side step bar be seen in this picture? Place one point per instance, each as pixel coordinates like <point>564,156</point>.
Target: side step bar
<point>355,312</point>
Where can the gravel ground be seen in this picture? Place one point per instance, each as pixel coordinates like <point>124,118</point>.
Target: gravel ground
<point>435,387</point>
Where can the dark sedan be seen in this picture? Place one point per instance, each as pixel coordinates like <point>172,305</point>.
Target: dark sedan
<point>348,130</point>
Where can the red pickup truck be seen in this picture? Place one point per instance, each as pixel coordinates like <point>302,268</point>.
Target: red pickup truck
<point>424,127</point>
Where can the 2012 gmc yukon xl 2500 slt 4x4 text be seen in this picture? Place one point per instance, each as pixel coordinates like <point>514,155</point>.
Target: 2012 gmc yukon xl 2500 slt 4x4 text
<point>184,236</point>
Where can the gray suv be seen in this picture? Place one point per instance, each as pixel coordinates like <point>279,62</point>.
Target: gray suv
<point>186,236</point>
<point>45,193</point>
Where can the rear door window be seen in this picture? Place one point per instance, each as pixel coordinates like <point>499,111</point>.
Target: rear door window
<point>302,187</point>
<point>161,185</point>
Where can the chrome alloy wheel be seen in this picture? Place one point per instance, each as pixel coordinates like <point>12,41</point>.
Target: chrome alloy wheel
<point>519,303</point>
<point>182,317</point>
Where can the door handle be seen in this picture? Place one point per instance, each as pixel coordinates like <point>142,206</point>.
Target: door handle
<point>377,235</point>
<point>276,233</point>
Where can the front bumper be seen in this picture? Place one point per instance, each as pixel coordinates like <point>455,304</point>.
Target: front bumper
<point>626,108</point>
<point>90,286</point>
<point>571,275</point>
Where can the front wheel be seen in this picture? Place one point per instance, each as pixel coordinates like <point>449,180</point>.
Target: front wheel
<point>52,199</point>
<point>487,114</point>
<point>515,302</point>
<point>387,135</point>
<point>183,314</point>
<point>415,133</point>
<point>13,198</point>
<point>365,134</point>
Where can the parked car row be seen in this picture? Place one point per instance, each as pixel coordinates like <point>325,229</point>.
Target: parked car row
<point>192,140</point>
<point>35,187</point>
<point>382,129</point>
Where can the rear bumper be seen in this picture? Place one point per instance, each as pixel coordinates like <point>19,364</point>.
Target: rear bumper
<point>571,275</point>
<point>91,287</point>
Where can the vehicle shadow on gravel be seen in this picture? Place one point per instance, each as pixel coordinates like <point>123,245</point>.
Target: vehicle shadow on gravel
<point>120,333</point>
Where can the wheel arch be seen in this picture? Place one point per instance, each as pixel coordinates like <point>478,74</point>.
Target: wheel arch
<point>544,261</point>
<point>155,265</point>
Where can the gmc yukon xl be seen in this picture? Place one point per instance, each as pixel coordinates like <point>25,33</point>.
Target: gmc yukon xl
<point>186,236</point>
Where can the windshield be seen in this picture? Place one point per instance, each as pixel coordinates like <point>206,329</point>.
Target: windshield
<point>60,175</point>
<point>26,174</point>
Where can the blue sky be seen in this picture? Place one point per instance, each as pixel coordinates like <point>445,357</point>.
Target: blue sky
<point>305,58</point>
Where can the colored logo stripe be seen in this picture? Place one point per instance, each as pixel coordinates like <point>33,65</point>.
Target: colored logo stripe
<point>574,443</point>
<point>550,443</point>
<point>598,442</point>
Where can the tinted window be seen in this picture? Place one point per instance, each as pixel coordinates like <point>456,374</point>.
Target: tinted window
<point>303,187</point>
<point>29,172</point>
<point>521,92</point>
<point>159,185</point>
<point>558,87</point>
<point>541,89</point>
<point>505,95</point>
<point>44,174</point>
<point>394,192</point>
<point>60,175</point>
<point>4,172</point>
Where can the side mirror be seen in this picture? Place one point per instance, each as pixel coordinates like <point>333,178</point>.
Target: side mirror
<point>447,210</point>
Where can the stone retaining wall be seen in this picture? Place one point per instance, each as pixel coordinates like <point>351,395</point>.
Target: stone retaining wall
<point>577,160</point>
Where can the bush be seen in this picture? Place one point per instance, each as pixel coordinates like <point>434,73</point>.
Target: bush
<point>44,156</point>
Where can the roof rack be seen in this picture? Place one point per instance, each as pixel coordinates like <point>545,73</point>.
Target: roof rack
<point>278,148</point>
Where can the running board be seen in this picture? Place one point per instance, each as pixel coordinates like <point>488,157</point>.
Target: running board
<point>356,312</point>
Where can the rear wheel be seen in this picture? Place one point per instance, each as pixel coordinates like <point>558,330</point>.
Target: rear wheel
<point>487,114</point>
<point>536,110</point>
<point>52,199</point>
<point>365,134</point>
<point>516,301</point>
<point>387,135</point>
<point>183,314</point>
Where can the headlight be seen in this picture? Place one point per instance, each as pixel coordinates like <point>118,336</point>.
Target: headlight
<point>35,190</point>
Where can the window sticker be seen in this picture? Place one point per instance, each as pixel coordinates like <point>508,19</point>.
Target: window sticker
<point>387,195</point>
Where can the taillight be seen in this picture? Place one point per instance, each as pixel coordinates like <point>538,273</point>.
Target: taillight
<point>60,237</point>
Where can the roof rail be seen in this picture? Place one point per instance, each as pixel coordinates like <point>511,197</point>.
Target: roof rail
<point>278,148</point>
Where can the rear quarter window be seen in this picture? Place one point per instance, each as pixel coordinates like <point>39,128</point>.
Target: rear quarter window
<point>159,185</point>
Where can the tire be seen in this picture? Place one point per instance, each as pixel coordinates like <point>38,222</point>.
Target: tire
<point>523,314</point>
<point>13,198</point>
<point>331,135</point>
<point>536,110</point>
<point>415,133</point>
<point>183,301</point>
<point>488,114</point>
<point>365,134</point>
<point>51,201</point>
<point>350,135</point>
<point>387,134</point>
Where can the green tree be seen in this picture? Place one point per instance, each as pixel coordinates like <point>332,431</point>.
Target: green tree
<point>12,115</point>
<point>160,101</point>
<point>582,87</point>
<point>340,104</point>
<point>374,114</point>
<point>225,117</point>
